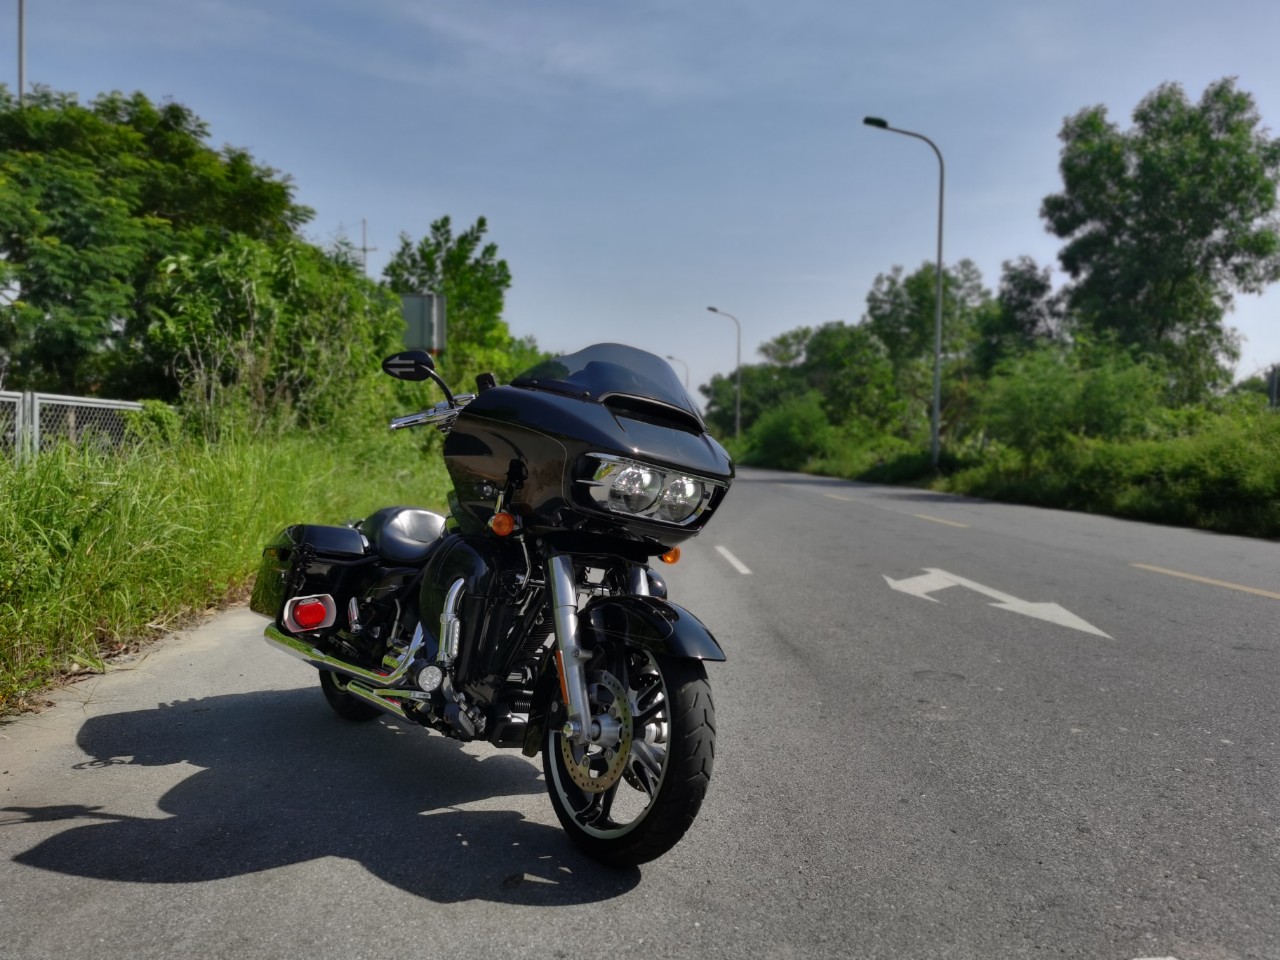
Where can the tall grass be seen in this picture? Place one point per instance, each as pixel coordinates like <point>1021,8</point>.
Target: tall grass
<point>98,549</point>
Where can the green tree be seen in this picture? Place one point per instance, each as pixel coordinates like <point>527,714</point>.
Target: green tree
<point>787,349</point>
<point>1262,384</point>
<point>1165,222</point>
<point>474,281</point>
<point>845,367</point>
<point>901,310</point>
<point>849,368</point>
<point>71,249</point>
<point>93,198</point>
<point>764,387</point>
<point>790,434</point>
<point>1026,314</point>
<point>280,334</point>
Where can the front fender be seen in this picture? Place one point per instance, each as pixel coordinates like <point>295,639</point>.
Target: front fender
<point>649,623</point>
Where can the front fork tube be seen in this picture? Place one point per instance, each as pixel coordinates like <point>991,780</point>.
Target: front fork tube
<point>639,580</point>
<point>570,656</point>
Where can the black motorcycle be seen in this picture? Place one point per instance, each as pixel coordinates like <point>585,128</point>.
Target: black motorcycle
<point>531,617</point>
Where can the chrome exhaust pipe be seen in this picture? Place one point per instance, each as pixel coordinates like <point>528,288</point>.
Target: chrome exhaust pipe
<point>301,648</point>
<point>378,699</point>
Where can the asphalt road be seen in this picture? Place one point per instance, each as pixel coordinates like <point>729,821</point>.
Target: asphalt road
<point>1050,735</point>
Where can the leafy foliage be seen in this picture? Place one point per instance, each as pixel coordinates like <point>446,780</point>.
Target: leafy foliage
<point>1040,401</point>
<point>93,198</point>
<point>281,333</point>
<point>1223,475</point>
<point>901,310</point>
<point>1165,222</point>
<point>473,280</point>
<point>1104,394</point>
<point>1026,314</point>
<point>791,434</point>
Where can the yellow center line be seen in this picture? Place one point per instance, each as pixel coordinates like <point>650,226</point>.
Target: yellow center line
<point>949,523</point>
<point>1211,582</point>
<point>836,496</point>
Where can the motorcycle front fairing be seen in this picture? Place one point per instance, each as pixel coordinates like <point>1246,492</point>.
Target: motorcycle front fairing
<point>541,438</point>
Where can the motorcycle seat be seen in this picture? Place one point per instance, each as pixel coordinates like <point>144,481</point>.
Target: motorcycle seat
<point>402,534</point>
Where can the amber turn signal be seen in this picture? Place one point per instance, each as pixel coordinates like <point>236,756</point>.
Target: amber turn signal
<point>502,524</point>
<point>671,556</point>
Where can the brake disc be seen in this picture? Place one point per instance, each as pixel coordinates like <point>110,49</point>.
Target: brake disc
<point>594,767</point>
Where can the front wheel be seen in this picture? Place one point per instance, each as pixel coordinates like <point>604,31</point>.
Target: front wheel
<point>630,801</point>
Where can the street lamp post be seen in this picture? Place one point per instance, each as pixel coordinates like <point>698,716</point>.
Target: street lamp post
<point>22,52</point>
<point>737,409</point>
<point>937,320</point>
<point>686,369</point>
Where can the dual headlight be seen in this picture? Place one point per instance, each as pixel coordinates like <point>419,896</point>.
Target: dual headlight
<point>640,490</point>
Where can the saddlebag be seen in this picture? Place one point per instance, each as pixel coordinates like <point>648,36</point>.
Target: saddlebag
<point>305,560</point>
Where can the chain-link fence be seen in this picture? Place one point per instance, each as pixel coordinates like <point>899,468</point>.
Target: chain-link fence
<point>31,422</point>
<point>12,416</point>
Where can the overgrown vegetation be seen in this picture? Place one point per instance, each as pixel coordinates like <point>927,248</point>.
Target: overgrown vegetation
<point>1108,394</point>
<point>103,548</point>
<point>138,262</point>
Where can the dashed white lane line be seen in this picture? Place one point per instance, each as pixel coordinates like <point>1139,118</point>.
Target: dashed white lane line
<point>734,561</point>
<point>919,516</point>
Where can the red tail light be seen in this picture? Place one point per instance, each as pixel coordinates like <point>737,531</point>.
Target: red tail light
<point>310,614</point>
<point>304,614</point>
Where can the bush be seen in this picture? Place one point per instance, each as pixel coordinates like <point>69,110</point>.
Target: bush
<point>1224,477</point>
<point>1039,402</point>
<point>788,436</point>
<point>156,423</point>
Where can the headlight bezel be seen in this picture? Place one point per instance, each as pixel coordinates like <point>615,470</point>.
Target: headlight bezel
<point>609,468</point>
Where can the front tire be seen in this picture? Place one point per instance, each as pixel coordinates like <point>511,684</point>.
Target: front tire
<point>629,805</point>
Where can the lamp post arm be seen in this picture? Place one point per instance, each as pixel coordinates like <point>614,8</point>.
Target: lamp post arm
<point>737,403</point>
<point>935,442</point>
<point>686,369</point>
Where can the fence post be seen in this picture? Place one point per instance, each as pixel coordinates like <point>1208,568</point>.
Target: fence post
<point>25,449</point>
<point>33,413</point>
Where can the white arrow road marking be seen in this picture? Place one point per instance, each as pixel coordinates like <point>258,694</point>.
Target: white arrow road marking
<point>924,584</point>
<point>933,580</point>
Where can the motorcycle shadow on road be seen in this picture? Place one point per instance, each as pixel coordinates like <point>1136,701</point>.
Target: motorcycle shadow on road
<point>285,781</point>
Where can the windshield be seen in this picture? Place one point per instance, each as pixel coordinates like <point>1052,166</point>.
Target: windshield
<point>606,370</point>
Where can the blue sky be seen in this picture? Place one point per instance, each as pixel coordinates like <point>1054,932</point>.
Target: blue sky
<point>640,161</point>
